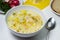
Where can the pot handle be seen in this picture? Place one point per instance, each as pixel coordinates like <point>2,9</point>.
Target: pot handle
<point>50,24</point>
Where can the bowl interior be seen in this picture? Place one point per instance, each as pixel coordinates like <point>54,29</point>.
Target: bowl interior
<point>18,8</point>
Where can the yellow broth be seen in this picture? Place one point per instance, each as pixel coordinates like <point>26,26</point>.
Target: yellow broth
<point>25,21</point>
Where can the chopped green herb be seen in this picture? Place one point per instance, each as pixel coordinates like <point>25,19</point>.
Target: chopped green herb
<point>14,13</point>
<point>4,6</point>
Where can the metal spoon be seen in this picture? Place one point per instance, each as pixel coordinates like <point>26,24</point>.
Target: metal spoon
<point>50,25</point>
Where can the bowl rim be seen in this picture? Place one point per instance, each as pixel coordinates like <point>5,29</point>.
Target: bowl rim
<point>23,33</point>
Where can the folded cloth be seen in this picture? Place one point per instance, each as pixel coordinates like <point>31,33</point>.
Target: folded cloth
<point>41,4</point>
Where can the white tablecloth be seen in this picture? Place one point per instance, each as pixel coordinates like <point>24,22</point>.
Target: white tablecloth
<point>54,34</point>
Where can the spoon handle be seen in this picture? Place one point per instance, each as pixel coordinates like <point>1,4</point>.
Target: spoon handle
<point>48,34</point>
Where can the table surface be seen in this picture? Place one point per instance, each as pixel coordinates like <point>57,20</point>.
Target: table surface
<point>54,34</point>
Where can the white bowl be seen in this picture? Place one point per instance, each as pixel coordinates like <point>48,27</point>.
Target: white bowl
<point>23,7</point>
